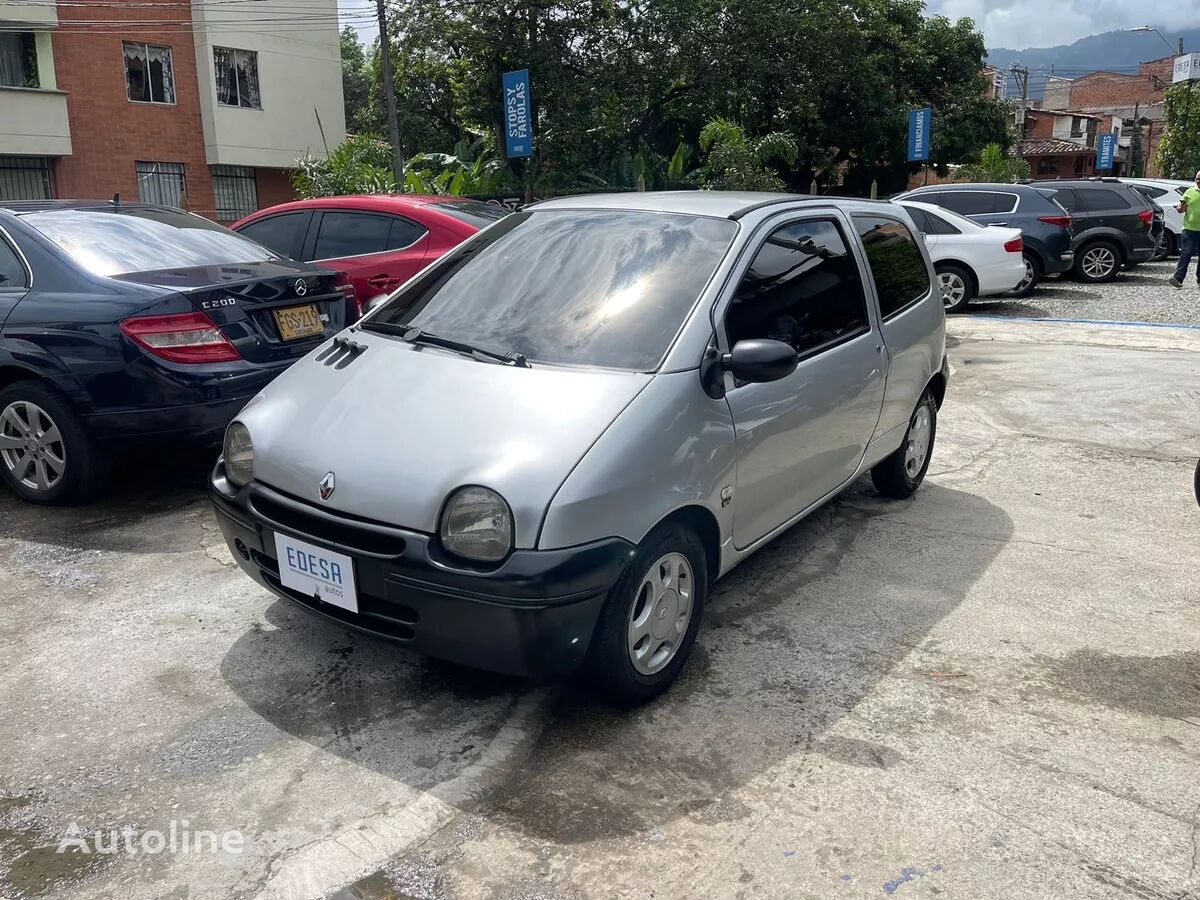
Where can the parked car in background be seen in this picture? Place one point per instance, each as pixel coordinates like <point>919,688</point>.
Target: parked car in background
<point>132,323</point>
<point>617,398</point>
<point>1165,193</point>
<point>380,240</point>
<point>1114,225</point>
<point>971,260</point>
<point>1045,226</point>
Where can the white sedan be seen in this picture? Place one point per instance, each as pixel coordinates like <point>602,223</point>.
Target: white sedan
<point>971,260</point>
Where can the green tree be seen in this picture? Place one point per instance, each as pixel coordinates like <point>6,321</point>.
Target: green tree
<point>994,165</point>
<point>360,87</point>
<point>737,164</point>
<point>362,164</point>
<point>1178,153</point>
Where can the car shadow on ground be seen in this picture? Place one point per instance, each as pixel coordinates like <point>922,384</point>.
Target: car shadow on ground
<point>793,639</point>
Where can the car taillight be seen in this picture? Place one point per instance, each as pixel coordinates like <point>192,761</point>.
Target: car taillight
<point>1147,217</point>
<point>1016,245</point>
<point>183,338</point>
<point>1064,221</point>
<point>344,284</point>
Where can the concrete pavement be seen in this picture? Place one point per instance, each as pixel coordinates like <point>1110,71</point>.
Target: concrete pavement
<point>991,690</point>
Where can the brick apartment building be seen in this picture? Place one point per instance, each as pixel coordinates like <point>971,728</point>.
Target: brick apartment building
<point>1121,98</point>
<point>188,102</point>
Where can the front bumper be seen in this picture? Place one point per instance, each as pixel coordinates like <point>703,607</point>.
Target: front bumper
<point>532,616</point>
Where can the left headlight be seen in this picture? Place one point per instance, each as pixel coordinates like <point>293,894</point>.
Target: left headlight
<point>477,524</point>
<point>239,454</point>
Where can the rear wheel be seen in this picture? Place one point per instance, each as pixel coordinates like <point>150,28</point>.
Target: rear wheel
<point>1097,261</point>
<point>1033,274</point>
<point>958,287</point>
<point>46,456</point>
<point>901,474</point>
<point>1171,242</point>
<point>649,622</point>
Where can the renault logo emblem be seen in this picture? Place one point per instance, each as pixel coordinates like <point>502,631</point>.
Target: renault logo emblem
<point>301,287</point>
<point>327,486</point>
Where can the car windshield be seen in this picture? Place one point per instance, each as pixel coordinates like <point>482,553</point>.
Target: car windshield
<point>606,288</point>
<point>473,212</point>
<point>108,241</point>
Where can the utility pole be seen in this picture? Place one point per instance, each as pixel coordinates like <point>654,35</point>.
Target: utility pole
<point>389,94</point>
<point>1022,77</point>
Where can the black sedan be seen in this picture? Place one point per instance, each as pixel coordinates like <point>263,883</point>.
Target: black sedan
<point>127,324</point>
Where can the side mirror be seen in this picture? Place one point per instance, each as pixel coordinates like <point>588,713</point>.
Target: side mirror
<point>760,360</point>
<point>374,303</point>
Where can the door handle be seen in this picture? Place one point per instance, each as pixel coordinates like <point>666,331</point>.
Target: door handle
<point>383,281</point>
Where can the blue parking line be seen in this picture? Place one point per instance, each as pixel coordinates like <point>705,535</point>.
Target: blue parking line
<point>1086,322</point>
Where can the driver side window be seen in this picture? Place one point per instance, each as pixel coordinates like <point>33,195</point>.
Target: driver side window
<point>802,288</point>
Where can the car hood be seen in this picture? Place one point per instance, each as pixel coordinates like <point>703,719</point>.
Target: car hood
<point>403,426</point>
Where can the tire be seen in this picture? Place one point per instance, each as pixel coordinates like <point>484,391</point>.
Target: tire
<point>611,667</point>
<point>957,286</point>
<point>1172,243</point>
<point>1033,275</point>
<point>30,411</point>
<point>898,476</point>
<point>1097,261</point>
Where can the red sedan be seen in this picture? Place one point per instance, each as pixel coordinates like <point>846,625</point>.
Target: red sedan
<point>380,240</point>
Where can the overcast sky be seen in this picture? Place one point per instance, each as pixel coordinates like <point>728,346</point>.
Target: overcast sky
<point>1005,23</point>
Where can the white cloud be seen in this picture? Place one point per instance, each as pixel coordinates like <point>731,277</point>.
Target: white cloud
<point>1037,23</point>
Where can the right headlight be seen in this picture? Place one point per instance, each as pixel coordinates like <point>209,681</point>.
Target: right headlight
<point>239,454</point>
<point>477,524</point>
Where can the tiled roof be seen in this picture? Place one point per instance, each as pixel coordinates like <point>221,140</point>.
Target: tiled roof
<point>1050,146</point>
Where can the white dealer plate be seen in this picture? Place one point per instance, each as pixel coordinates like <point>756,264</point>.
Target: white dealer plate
<point>315,571</point>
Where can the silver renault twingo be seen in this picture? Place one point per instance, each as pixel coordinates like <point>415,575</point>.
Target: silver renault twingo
<point>538,454</point>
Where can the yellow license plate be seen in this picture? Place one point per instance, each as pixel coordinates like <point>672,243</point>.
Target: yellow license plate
<point>298,322</point>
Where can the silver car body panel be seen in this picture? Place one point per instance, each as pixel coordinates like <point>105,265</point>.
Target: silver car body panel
<point>581,455</point>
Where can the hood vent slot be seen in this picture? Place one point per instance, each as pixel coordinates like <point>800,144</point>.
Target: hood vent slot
<point>341,353</point>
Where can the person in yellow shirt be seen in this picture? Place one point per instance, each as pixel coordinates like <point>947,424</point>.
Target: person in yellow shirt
<point>1189,238</point>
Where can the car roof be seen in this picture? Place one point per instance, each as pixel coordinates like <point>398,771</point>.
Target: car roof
<point>724,204</point>
<point>379,202</point>
<point>21,207</point>
<point>970,186</point>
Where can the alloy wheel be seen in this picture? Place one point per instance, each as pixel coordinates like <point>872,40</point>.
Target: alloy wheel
<point>917,445</point>
<point>954,288</point>
<point>31,446</point>
<point>1099,263</point>
<point>1023,284</point>
<point>661,611</point>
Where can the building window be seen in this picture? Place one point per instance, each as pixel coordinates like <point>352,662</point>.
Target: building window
<point>1078,126</point>
<point>161,182</point>
<point>237,77</point>
<point>24,178</point>
<point>149,75</point>
<point>236,192</point>
<point>18,59</point>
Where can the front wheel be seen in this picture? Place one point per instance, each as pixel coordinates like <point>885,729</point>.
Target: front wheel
<point>46,456</point>
<point>649,622</point>
<point>958,287</point>
<point>899,475</point>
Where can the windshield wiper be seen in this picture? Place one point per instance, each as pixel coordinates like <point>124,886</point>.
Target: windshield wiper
<point>416,336</point>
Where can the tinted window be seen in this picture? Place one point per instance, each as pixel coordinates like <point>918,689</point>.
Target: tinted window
<point>581,287</point>
<point>920,219</point>
<point>971,203</point>
<point>1101,199</point>
<point>12,273</point>
<point>934,198</point>
<point>403,233</point>
<point>938,225</point>
<point>1149,191</point>
<point>896,262</point>
<point>111,242</point>
<point>351,234</point>
<point>802,288</point>
<point>282,233</point>
<point>1067,199</point>
<point>473,212</point>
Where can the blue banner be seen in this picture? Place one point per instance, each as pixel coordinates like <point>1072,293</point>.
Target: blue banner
<point>1106,150</point>
<point>518,126</point>
<point>920,121</point>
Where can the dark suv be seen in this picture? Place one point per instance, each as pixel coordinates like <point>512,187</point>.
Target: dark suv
<point>1045,226</point>
<point>1114,225</point>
